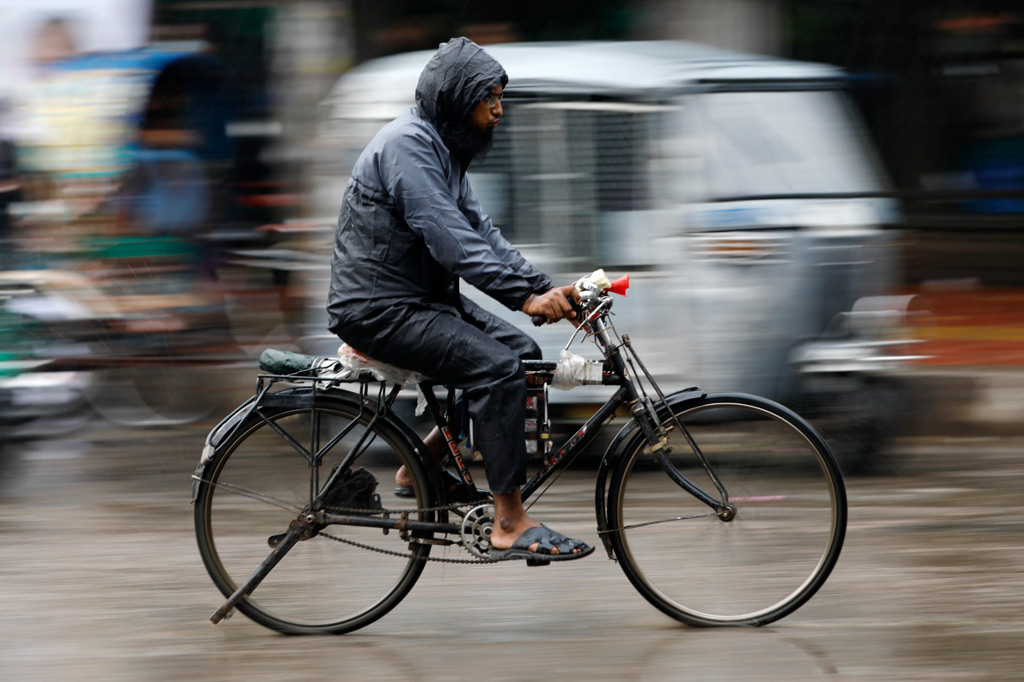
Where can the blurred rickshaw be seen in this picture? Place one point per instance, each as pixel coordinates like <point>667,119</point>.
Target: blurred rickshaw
<point>126,167</point>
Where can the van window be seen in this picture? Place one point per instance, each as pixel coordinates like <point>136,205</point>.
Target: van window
<point>557,167</point>
<point>781,142</point>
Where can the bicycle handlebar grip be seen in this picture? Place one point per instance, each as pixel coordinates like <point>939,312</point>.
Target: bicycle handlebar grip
<point>539,320</point>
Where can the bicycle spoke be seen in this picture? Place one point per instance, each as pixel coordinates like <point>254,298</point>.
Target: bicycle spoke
<point>252,494</point>
<point>654,523</point>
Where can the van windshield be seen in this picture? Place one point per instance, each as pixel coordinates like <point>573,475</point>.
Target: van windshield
<point>782,143</point>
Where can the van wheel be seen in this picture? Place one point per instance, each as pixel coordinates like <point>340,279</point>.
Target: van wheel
<point>857,416</point>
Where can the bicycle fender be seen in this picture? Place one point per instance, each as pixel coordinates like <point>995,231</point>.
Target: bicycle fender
<point>217,435</point>
<point>623,442</point>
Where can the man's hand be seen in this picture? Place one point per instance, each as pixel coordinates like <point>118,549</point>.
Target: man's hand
<point>553,305</point>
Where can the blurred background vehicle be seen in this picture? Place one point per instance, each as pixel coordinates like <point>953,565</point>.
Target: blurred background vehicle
<point>37,399</point>
<point>123,173</point>
<point>133,200</point>
<point>740,192</point>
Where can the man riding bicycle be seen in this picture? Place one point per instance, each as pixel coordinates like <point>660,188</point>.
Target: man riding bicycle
<point>409,229</point>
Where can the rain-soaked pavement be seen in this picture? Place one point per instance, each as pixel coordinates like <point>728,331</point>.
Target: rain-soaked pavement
<point>101,580</point>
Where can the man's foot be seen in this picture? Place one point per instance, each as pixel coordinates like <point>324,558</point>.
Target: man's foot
<point>458,490</point>
<point>402,478</point>
<point>540,545</point>
<point>516,536</point>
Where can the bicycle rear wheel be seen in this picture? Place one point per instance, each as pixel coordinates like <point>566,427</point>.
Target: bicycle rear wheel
<point>769,550</point>
<point>262,479</point>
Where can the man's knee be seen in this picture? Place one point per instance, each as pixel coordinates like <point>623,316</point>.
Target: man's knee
<point>524,347</point>
<point>533,351</point>
<point>509,369</point>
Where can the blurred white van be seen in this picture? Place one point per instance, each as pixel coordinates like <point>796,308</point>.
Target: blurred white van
<point>738,191</point>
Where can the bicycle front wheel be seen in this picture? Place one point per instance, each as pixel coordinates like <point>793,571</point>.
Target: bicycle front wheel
<point>763,540</point>
<point>266,476</point>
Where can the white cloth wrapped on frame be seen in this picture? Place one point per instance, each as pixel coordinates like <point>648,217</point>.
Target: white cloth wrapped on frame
<point>575,370</point>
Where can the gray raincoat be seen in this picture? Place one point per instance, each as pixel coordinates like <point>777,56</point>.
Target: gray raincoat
<point>409,229</point>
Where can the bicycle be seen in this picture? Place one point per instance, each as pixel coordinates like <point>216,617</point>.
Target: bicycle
<point>721,509</point>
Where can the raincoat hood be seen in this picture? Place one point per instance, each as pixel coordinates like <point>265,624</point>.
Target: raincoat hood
<point>454,82</point>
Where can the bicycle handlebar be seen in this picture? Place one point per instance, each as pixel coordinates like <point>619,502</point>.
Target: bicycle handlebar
<point>591,287</point>
<point>539,320</point>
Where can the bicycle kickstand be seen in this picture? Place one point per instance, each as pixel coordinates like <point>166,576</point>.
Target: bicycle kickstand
<point>295,533</point>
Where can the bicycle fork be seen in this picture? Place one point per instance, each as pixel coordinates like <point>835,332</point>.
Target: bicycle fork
<point>656,432</point>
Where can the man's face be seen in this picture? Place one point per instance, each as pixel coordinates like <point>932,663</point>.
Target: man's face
<point>488,112</point>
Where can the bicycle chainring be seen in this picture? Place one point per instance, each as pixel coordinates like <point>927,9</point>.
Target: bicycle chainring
<point>476,530</point>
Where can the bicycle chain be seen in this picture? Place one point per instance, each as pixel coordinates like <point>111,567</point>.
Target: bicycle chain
<point>390,552</point>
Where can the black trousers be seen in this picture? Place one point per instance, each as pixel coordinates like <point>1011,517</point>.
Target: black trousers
<point>469,349</point>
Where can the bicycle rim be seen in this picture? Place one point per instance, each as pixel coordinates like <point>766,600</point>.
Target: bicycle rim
<point>772,556</point>
<point>259,483</point>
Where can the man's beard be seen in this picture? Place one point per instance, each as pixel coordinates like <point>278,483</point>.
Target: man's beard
<point>469,143</point>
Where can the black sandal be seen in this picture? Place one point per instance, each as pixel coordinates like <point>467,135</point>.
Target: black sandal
<point>548,540</point>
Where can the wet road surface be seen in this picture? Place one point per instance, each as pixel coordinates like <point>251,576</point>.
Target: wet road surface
<point>101,580</point>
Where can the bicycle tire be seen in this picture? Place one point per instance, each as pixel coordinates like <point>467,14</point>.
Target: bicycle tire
<point>778,549</point>
<point>257,483</point>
